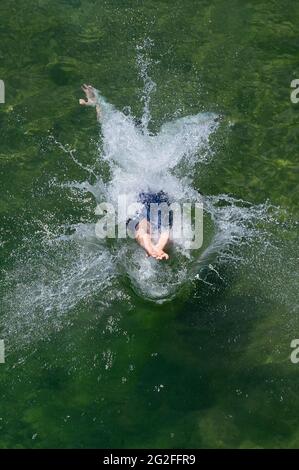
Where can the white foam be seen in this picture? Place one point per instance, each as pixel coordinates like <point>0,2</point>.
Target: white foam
<point>71,265</point>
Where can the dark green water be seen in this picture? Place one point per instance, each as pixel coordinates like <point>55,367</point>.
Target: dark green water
<point>90,363</point>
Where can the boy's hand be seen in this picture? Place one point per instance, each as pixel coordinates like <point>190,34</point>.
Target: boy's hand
<point>90,95</point>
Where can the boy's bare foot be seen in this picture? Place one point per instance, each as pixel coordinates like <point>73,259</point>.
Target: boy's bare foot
<point>160,254</point>
<point>150,251</point>
<point>143,237</point>
<point>159,247</point>
<point>154,252</point>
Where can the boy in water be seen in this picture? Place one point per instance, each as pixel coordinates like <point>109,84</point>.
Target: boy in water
<point>141,222</point>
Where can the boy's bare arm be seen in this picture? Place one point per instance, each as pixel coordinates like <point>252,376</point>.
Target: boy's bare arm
<point>91,99</point>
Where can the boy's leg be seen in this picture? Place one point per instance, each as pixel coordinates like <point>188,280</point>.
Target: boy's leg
<point>143,237</point>
<point>162,242</point>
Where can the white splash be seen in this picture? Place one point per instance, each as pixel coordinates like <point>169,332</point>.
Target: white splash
<point>72,266</point>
